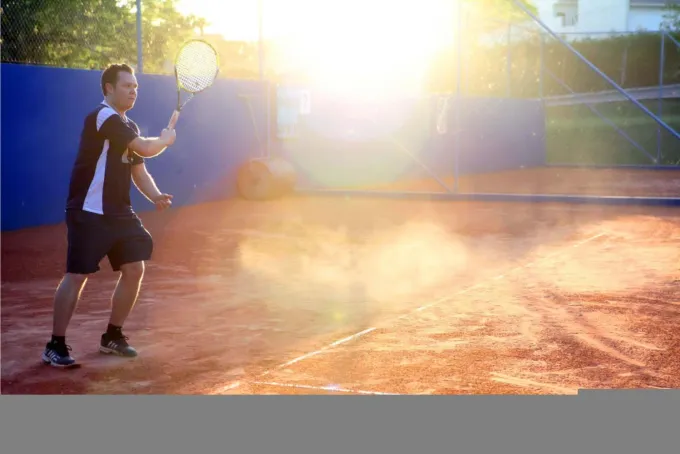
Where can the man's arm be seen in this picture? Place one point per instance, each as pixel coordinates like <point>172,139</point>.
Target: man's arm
<point>145,182</point>
<point>149,147</point>
<point>112,127</point>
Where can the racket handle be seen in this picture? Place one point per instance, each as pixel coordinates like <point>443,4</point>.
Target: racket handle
<point>173,119</point>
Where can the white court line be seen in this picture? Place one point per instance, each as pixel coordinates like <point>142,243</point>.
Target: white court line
<point>235,385</point>
<point>321,350</point>
<point>322,388</point>
<point>525,383</point>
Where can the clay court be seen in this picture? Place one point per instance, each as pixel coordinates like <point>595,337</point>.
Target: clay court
<point>312,295</point>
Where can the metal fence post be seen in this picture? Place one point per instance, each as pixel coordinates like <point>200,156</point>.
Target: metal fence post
<point>140,57</point>
<point>508,88</point>
<point>541,71</point>
<point>268,86</point>
<point>459,57</point>
<point>576,53</point>
<point>661,79</point>
<point>260,38</point>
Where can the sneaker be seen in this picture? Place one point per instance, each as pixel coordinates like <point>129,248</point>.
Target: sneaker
<point>116,345</point>
<point>57,355</point>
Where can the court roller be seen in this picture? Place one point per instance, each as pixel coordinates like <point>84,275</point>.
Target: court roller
<point>266,179</point>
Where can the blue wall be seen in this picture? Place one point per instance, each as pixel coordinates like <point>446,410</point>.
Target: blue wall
<point>343,142</point>
<point>43,111</point>
<point>500,134</point>
<point>347,142</point>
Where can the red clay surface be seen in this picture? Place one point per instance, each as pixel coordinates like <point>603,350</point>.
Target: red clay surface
<point>539,299</point>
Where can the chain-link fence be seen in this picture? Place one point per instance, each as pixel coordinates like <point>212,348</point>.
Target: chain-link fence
<point>90,34</point>
<point>494,57</point>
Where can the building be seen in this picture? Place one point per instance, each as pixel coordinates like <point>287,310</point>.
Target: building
<point>601,16</point>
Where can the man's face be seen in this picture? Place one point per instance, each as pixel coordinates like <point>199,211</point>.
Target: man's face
<point>125,91</point>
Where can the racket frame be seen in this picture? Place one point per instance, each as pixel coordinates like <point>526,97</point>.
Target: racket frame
<point>180,87</point>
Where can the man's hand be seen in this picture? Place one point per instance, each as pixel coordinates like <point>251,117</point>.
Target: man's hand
<point>163,201</point>
<point>168,137</point>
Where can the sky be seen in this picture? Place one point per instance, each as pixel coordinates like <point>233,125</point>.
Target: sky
<point>234,19</point>
<point>237,19</point>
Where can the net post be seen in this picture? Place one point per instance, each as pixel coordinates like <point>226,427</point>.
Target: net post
<point>140,57</point>
<point>662,58</point>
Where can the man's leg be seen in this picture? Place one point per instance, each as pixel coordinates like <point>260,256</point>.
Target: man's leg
<point>65,301</point>
<point>87,246</point>
<point>122,302</point>
<point>57,352</point>
<point>128,256</point>
<point>126,292</point>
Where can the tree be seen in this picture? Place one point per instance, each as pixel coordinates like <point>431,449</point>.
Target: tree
<point>92,33</point>
<point>671,24</point>
<point>502,9</point>
<point>671,18</point>
<point>480,12</point>
<point>483,48</point>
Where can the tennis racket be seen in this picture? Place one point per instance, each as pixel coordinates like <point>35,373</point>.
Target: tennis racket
<point>196,68</point>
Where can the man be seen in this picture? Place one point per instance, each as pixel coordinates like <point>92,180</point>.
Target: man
<point>99,216</point>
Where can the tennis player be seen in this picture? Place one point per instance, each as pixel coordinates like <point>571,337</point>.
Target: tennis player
<point>99,216</point>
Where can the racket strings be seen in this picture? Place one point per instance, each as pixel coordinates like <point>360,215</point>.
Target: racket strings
<point>196,66</point>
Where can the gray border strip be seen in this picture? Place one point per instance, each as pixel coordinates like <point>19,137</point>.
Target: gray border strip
<point>635,422</point>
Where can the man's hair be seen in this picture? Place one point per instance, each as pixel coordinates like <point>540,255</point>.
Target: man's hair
<point>110,75</point>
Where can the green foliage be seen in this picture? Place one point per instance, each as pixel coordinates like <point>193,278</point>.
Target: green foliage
<point>671,17</point>
<point>501,10</point>
<point>90,34</point>
<point>630,60</point>
<point>575,135</point>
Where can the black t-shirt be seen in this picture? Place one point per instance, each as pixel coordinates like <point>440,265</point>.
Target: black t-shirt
<point>101,178</point>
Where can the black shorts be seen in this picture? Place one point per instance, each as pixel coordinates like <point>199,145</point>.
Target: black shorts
<point>91,237</point>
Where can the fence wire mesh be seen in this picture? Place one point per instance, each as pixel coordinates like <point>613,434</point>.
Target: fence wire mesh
<point>90,34</point>
<point>500,53</point>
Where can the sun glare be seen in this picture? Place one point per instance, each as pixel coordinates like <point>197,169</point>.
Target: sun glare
<point>369,45</point>
<point>349,45</point>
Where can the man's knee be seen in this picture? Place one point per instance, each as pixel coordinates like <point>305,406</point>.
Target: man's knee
<point>133,271</point>
<point>76,279</point>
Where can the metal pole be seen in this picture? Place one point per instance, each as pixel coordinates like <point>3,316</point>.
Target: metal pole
<point>260,38</point>
<point>675,41</point>
<point>508,69</point>
<point>457,104</point>
<point>659,121</point>
<point>267,85</point>
<point>541,70</point>
<point>602,117</point>
<point>661,70</point>
<point>459,48</point>
<point>140,58</point>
